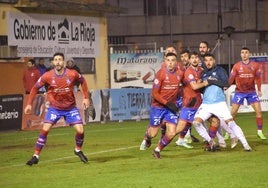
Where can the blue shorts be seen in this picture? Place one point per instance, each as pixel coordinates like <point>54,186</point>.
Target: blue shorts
<point>158,115</point>
<point>187,114</point>
<point>251,97</point>
<point>71,117</point>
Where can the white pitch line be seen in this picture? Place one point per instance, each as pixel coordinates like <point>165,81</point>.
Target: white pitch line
<point>74,156</point>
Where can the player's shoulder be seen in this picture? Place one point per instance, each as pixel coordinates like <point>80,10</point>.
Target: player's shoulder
<point>71,72</point>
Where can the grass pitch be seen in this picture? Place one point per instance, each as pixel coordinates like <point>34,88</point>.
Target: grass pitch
<point>116,161</point>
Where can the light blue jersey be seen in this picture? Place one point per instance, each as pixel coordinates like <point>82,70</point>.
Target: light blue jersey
<point>214,93</point>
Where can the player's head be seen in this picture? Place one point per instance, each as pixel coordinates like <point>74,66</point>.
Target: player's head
<point>171,61</point>
<point>58,54</point>
<point>194,59</point>
<point>209,60</point>
<point>245,53</point>
<point>170,48</point>
<point>203,48</point>
<point>58,61</point>
<point>184,55</point>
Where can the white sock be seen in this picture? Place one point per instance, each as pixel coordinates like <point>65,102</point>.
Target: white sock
<point>35,155</point>
<point>238,132</point>
<point>201,130</point>
<point>77,150</point>
<point>180,139</point>
<point>220,138</point>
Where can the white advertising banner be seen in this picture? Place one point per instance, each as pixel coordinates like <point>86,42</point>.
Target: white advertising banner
<point>134,69</point>
<point>246,107</point>
<point>41,35</point>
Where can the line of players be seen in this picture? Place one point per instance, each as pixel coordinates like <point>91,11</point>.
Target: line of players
<point>195,88</point>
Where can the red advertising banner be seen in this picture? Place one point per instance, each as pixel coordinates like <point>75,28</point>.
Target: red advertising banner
<point>34,120</point>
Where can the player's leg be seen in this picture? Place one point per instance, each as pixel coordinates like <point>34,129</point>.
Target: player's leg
<point>213,131</point>
<point>226,115</point>
<point>165,140</point>
<point>182,128</point>
<point>237,101</point>
<point>74,119</point>
<point>185,121</point>
<point>51,117</point>
<point>79,140</point>
<point>171,120</point>
<point>41,141</point>
<point>155,120</point>
<point>234,139</point>
<point>151,132</point>
<point>259,120</point>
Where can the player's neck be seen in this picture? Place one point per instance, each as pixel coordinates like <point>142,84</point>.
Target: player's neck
<point>245,61</point>
<point>59,72</point>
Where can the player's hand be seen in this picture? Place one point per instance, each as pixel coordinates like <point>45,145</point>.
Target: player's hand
<point>172,107</point>
<point>28,109</point>
<point>85,103</point>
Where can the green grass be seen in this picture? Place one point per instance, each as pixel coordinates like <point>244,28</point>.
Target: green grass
<point>116,161</point>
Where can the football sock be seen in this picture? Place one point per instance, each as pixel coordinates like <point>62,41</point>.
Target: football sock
<point>201,130</point>
<point>212,131</point>
<point>259,122</point>
<point>79,140</point>
<point>163,142</point>
<point>41,141</point>
<point>238,132</point>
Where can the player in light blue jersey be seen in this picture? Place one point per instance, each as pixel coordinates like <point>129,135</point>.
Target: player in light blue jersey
<point>214,102</point>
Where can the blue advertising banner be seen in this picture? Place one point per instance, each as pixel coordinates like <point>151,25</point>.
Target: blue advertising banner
<point>127,104</point>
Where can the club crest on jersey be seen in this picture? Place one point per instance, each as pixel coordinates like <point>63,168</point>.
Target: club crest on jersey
<point>156,81</point>
<point>68,81</point>
<point>191,76</point>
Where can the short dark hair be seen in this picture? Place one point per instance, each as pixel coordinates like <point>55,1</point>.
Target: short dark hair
<point>58,54</point>
<point>245,48</point>
<point>171,54</point>
<point>32,61</point>
<point>193,53</point>
<point>209,55</point>
<point>185,51</point>
<point>205,42</point>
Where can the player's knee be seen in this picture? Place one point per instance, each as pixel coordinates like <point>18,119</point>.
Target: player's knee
<point>196,123</point>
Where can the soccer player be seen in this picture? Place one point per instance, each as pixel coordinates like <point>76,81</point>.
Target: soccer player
<point>165,91</point>
<point>204,48</point>
<point>191,98</point>
<point>214,103</point>
<point>60,81</point>
<point>246,74</point>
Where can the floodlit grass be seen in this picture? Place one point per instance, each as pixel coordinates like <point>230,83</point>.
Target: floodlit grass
<point>116,161</point>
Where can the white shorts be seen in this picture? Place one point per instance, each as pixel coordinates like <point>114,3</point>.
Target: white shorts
<point>220,110</point>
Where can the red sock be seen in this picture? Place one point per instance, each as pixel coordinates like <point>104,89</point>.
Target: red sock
<point>259,122</point>
<point>212,131</point>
